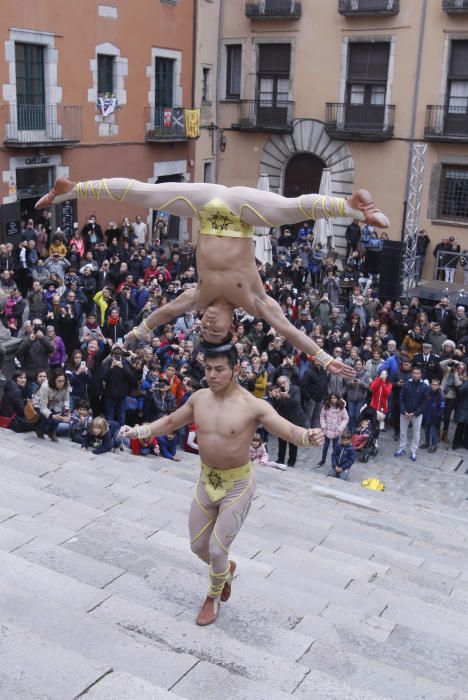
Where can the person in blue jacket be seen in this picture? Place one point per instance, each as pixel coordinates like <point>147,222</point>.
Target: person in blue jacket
<point>343,457</point>
<point>413,397</point>
<point>168,446</point>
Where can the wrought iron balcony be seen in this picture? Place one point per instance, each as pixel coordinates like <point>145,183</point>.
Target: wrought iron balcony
<point>446,123</point>
<point>273,9</point>
<point>355,122</point>
<point>455,6</point>
<point>368,7</point>
<point>41,125</point>
<point>265,115</point>
<point>169,124</point>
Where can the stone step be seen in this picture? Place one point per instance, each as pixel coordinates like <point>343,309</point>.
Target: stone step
<point>127,687</point>
<point>376,676</point>
<point>80,633</point>
<point>41,669</point>
<point>43,581</point>
<point>23,499</point>
<point>33,527</point>
<point>253,662</point>
<point>64,561</point>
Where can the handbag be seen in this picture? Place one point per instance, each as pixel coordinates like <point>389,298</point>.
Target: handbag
<point>6,421</point>
<point>30,413</point>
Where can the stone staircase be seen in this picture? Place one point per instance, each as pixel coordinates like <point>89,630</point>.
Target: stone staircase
<point>341,594</point>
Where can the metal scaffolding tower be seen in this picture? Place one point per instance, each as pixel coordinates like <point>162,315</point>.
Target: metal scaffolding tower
<point>411,226</point>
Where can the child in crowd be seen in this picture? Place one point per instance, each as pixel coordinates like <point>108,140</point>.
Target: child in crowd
<point>433,412</point>
<point>190,441</point>
<point>343,457</point>
<point>143,446</point>
<point>361,435</point>
<point>333,420</point>
<point>259,454</point>
<point>168,446</point>
<point>102,436</point>
<point>80,421</point>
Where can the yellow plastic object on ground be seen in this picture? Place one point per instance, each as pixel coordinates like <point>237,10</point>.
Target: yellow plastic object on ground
<point>373,483</point>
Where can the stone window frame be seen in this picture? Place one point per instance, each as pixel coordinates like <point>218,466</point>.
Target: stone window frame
<point>222,78</point>
<point>434,191</point>
<point>108,125</point>
<point>53,92</point>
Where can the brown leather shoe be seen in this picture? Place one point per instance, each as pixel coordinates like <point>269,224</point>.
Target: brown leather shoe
<point>61,186</point>
<point>226,592</point>
<point>209,612</point>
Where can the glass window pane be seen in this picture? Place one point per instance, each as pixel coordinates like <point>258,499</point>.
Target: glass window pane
<point>453,196</point>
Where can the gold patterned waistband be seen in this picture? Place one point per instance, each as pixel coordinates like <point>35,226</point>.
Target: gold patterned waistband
<point>219,481</point>
<point>239,230</point>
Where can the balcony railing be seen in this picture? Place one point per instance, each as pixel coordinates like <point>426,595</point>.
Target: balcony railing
<point>446,123</point>
<point>455,6</point>
<point>265,115</point>
<point>41,125</point>
<point>273,9</point>
<point>355,122</point>
<point>169,124</point>
<point>368,7</point>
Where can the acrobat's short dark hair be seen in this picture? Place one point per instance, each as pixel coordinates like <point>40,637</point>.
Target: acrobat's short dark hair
<point>225,348</point>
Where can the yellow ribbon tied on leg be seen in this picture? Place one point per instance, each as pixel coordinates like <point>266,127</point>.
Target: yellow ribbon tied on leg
<point>373,483</point>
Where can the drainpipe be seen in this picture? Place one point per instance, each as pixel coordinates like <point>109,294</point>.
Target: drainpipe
<point>215,133</point>
<point>194,53</point>
<point>417,85</point>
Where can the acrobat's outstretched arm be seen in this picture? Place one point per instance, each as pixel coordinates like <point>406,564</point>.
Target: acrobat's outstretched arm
<point>187,301</point>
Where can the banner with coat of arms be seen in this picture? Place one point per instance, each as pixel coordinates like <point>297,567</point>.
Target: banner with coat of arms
<point>107,105</point>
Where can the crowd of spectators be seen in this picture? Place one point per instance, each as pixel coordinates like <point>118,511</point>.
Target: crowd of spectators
<point>72,299</point>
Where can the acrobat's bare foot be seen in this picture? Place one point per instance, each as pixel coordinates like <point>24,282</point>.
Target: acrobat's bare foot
<point>61,186</point>
<point>226,592</point>
<point>209,612</point>
<point>363,201</point>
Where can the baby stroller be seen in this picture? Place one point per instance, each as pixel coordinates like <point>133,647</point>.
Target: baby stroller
<point>367,443</point>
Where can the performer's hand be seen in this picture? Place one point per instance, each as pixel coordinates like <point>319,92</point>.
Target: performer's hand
<point>127,432</point>
<point>339,367</point>
<point>316,437</point>
<point>130,339</point>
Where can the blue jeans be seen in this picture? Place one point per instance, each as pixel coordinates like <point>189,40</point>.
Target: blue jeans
<point>339,475</point>
<point>326,445</point>
<point>354,409</point>
<point>431,435</point>
<point>114,409</point>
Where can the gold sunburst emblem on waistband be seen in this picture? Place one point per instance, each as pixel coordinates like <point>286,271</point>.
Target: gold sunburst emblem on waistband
<point>215,479</point>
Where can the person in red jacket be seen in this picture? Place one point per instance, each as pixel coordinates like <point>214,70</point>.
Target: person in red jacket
<point>381,389</point>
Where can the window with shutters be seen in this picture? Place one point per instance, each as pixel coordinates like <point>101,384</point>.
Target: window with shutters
<point>30,86</point>
<point>366,84</point>
<point>457,93</point>
<point>233,71</point>
<point>453,193</point>
<point>274,65</point>
<point>164,82</point>
<point>105,71</point>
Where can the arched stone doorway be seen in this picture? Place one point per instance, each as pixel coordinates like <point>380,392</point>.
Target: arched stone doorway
<point>309,138</point>
<point>302,174</point>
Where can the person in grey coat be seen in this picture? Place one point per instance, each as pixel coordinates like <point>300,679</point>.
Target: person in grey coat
<point>34,351</point>
<point>356,393</point>
<point>286,400</point>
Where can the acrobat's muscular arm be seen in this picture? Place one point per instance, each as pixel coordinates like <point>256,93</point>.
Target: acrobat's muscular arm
<point>187,301</point>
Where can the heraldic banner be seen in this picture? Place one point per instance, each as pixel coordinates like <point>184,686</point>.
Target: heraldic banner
<point>192,123</point>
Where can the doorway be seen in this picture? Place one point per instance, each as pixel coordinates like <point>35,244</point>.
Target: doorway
<point>31,184</point>
<point>303,175</point>
<point>172,222</point>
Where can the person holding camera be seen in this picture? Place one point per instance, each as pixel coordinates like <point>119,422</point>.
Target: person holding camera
<point>34,350</point>
<point>454,374</point>
<point>286,400</point>
<point>118,380</point>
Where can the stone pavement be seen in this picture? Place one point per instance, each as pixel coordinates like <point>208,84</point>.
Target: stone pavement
<point>341,593</point>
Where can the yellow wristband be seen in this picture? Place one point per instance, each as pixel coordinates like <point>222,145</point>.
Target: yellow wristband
<point>305,438</point>
<point>150,330</point>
